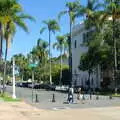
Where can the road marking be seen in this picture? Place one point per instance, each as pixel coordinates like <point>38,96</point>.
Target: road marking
<point>60,108</point>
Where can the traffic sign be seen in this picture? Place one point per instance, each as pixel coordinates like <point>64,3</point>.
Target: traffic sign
<point>32,65</point>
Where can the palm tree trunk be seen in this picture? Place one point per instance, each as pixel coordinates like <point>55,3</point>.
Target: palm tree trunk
<point>60,67</point>
<point>5,66</point>
<point>70,52</point>
<point>1,40</point>
<point>89,79</point>
<point>115,56</point>
<point>22,75</point>
<point>1,45</point>
<point>50,57</point>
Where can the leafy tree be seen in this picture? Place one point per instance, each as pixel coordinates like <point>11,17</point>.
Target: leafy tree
<point>112,11</point>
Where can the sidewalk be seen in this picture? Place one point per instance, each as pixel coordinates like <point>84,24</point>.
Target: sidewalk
<point>23,111</point>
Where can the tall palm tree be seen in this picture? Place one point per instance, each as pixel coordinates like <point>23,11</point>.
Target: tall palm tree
<point>60,45</point>
<point>12,15</point>
<point>52,27</point>
<point>92,13</point>
<point>112,10</point>
<point>72,8</point>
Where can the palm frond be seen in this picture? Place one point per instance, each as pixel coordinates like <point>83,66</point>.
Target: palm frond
<point>25,16</point>
<point>21,24</point>
<point>42,30</point>
<point>61,14</point>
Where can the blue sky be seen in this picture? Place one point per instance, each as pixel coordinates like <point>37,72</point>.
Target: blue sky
<point>40,10</point>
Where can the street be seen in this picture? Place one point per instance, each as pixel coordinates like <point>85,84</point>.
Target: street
<point>45,99</point>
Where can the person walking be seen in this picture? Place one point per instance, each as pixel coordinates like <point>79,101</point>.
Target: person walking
<point>78,93</point>
<point>70,95</point>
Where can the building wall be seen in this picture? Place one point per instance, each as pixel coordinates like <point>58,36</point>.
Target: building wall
<point>80,78</point>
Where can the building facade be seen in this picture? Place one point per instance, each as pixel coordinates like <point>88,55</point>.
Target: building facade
<point>80,78</point>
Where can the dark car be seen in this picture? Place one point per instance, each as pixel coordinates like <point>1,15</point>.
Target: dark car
<point>47,87</point>
<point>36,86</point>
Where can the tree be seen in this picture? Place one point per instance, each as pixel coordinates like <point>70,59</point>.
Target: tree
<point>11,14</point>
<point>72,8</point>
<point>112,11</point>
<point>21,64</point>
<point>52,27</point>
<point>60,45</point>
<point>92,12</point>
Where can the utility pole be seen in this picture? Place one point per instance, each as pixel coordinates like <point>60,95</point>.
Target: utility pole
<point>32,83</point>
<point>13,95</point>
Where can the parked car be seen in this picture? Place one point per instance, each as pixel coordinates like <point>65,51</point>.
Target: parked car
<point>62,88</point>
<point>36,86</point>
<point>46,86</point>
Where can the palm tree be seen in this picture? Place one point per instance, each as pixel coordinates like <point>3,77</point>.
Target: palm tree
<point>21,63</point>
<point>72,8</point>
<point>60,45</point>
<point>39,52</point>
<point>12,15</point>
<point>43,45</point>
<point>52,27</point>
<point>112,10</point>
<point>92,13</point>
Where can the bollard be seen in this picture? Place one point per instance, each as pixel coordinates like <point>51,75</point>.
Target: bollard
<point>110,97</point>
<point>36,100</point>
<point>53,98</point>
<point>90,96</point>
<point>97,97</point>
<point>83,98</point>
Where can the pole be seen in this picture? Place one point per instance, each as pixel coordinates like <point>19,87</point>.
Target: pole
<point>14,96</point>
<point>32,83</point>
<point>70,52</point>
<point>50,58</point>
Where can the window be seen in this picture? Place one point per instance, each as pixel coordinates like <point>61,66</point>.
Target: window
<point>75,43</point>
<point>84,37</point>
<point>87,36</point>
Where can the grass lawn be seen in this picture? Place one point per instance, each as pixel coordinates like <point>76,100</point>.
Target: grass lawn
<point>8,98</point>
<point>116,95</point>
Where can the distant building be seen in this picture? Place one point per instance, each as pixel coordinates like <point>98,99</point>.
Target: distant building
<point>80,78</point>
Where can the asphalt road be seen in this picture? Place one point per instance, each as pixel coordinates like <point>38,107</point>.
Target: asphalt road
<point>45,99</point>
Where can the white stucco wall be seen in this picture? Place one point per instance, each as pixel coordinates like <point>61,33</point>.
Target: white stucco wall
<point>79,77</point>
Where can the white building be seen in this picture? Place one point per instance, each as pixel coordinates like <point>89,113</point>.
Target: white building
<point>80,78</point>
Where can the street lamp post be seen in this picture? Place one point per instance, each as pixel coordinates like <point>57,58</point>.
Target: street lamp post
<point>13,95</point>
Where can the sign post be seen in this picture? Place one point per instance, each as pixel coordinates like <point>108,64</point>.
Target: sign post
<point>13,96</point>
<point>32,66</point>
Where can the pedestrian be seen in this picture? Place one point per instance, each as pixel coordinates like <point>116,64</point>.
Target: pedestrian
<point>70,95</point>
<point>68,99</point>
<point>78,93</point>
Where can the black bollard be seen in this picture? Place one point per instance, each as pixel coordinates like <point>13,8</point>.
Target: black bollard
<point>110,97</point>
<point>53,98</point>
<point>36,100</point>
<point>97,97</point>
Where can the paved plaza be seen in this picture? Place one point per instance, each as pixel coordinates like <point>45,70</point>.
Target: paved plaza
<point>23,111</point>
